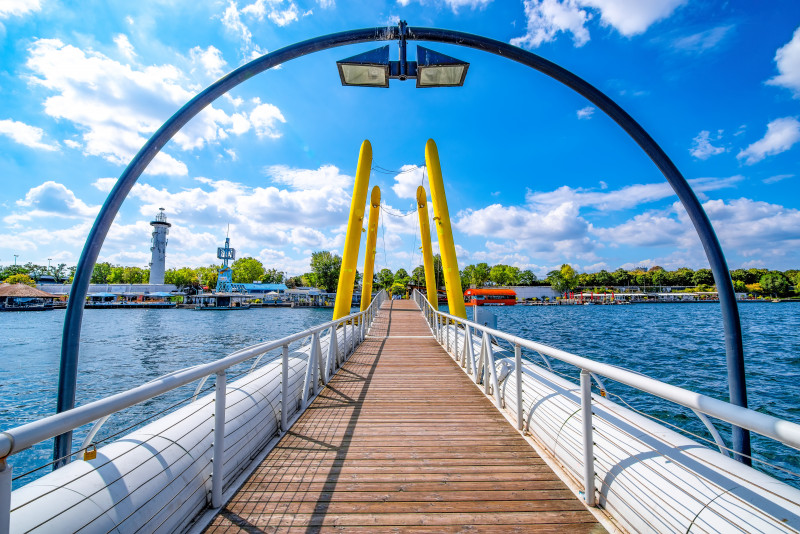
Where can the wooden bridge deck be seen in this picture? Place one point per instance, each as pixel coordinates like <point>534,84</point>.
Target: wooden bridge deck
<point>401,440</point>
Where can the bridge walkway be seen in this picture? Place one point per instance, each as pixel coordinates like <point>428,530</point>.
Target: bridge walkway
<point>401,440</point>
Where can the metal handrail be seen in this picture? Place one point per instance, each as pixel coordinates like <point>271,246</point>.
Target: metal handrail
<point>22,437</point>
<point>781,430</point>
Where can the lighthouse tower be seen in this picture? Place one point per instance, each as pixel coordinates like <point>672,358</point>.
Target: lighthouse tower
<point>159,247</point>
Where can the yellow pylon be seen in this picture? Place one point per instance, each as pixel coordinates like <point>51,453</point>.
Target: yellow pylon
<point>352,240</point>
<point>441,217</point>
<point>427,252</point>
<point>369,254</point>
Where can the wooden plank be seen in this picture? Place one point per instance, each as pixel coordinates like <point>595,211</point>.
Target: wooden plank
<point>400,440</point>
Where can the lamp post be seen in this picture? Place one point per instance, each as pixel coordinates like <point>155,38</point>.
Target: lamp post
<point>15,259</point>
<point>379,78</point>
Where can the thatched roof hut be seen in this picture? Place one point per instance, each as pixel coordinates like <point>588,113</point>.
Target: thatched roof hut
<point>23,291</point>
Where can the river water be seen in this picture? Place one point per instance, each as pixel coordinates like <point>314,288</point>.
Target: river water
<point>681,344</point>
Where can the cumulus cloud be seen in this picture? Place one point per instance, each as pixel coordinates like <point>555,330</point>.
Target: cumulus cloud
<point>781,135</point>
<point>547,18</point>
<point>117,106</point>
<point>52,199</point>
<point>702,147</point>
<point>787,59</point>
<point>748,227</point>
<point>209,60</point>
<point>26,135</point>
<point>407,180</point>
<point>125,46</point>
<point>265,119</point>
<point>586,113</point>
<point>18,8</point>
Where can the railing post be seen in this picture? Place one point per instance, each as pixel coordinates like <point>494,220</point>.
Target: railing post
<point>518,365</point>
<point>344,340</point>
<point>588,438</point>
<point>5,495</point>
<point>218,465</point>
<point>284,388</point>
<point>447,333</point>
<point>455,342</point>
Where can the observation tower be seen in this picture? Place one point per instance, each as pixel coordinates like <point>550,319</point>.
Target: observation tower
<point>159,247</point>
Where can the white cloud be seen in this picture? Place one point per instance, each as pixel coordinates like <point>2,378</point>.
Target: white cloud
<point>777,178</point>
<point>104,184</point>
<point>72,144</point>
<point>744,226</point>
<point>18,8</point>
<point>125,46</point>
<point>117,106</point>
<point>53,199</point>
<point>700,42</point>
<point>327,176</point>
<point>265,118</point>
<point>787,59</point>
<point>702,147</point>
<point>627,197</point>
<point>210,60</point>
<point>586,113</point>
<point>632,17</point>
<point>407,180</point>
<point>326,4</point>
<point>781,135</point>
<point>547,18</point>
<point>24,134</point>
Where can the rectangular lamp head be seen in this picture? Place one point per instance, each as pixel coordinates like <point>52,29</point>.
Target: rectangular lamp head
<point>370,69</point>
<point>439,70</point>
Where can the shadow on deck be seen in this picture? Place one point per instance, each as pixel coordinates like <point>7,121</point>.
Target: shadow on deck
<point>401,440</point>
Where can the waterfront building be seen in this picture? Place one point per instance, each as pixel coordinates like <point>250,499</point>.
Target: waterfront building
<point>158,247</point>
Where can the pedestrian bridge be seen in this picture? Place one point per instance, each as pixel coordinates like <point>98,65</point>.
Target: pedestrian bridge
<point>401,418</point>
<point>402,438</point>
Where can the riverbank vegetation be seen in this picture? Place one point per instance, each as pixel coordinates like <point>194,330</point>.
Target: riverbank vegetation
<point>325,268</point>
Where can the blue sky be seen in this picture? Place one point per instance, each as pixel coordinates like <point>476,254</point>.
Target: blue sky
<point>535,176</point>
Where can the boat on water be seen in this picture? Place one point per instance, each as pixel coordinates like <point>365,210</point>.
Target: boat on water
<point>490,297</point>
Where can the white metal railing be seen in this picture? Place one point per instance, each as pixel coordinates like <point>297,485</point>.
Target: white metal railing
<point>319,368</point>
<point>482,367</point>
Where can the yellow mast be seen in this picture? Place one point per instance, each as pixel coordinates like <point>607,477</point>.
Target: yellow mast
<point>441,217</point>
<point>427,252</point>
<point>352,240</point>
<point>369,254</point>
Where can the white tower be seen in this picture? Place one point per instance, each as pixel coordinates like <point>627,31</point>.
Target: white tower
<point>159,247</point>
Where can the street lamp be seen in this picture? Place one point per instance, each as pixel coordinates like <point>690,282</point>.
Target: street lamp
<point>373,68</point>
<point>15,259</point>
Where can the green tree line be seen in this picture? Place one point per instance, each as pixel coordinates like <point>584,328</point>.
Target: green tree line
<point>325,268</point>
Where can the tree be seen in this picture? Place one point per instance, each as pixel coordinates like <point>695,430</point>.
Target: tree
<point>603,278</point>
<point>438,271</point>
<point>703,277</point>
<point>775,284</point>
<point>12,270</point>
<point>527,278</point>
<point>401,273</point>
<point>20,279</point>
<point>247,270</point>
<point>326,267</point>
<point>182,277</point>
<point>683,277</point>
<point>294,281</point>
<point>418,276</point>
<point>60,273</point>
<point>563,279</point>
<point>100,273</point>
<point>512,275</point>
<point>498,275</point>
<point>556,281</point>
<point>207,276</point>
<point>272,276</point>
<point>621,277</point>
<point>481,274</point>
<point>385,279</point>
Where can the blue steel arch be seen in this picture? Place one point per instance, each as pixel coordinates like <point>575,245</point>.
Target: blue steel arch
<point>70,342</point>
